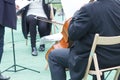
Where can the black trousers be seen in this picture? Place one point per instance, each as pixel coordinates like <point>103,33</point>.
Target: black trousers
<point>43,29</point>
<point>2,30</point>
<point>58,62</point>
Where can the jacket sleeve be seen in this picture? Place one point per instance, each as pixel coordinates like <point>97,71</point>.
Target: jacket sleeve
<point>79,25</point>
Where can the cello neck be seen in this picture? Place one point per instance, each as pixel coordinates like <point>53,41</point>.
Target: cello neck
<point>91,0</point>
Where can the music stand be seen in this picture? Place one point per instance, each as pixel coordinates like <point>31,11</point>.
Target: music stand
<point>14,60</point>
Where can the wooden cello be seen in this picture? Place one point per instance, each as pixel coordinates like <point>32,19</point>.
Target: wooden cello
<point>64,42</point>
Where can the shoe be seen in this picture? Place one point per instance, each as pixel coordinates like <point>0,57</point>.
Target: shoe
<point>34,51</point>
<point>4,77</point>
<point>42,47</point>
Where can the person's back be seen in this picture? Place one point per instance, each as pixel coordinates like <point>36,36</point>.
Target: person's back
<point>103,17</point>
<point>106,20</point>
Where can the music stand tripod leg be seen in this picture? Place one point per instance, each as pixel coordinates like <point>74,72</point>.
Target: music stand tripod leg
<point>14,60</point>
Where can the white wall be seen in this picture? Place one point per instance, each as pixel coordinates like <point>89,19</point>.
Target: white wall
<point>70,6</point>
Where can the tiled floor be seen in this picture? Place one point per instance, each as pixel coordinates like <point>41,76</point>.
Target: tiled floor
<point>24,58</point>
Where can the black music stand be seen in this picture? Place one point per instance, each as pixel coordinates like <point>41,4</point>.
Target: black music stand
<point>14,66</point>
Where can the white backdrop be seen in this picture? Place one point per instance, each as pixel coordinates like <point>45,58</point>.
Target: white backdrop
<point>70,6</point>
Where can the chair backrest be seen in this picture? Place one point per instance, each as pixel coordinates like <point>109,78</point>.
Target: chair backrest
<point>100,40</point>
<point>104,40</point>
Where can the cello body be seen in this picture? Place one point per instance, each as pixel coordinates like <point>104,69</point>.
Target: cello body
<point>64,42</point>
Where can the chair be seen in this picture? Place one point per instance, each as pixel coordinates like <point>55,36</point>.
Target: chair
<point>101,40</point>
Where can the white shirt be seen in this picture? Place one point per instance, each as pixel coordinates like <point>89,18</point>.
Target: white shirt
<point>36,8</point>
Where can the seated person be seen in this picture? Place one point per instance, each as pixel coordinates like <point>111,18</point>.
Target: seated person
<point>29,23</point>
<point>102,17</point>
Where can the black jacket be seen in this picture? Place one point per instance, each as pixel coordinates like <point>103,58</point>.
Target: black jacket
<point>103,17</point>
<point>8,13</point>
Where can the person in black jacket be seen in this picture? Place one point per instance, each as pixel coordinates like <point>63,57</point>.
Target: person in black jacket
<point>29,23</point>
<point>102,17</point>
<point>7,19</point>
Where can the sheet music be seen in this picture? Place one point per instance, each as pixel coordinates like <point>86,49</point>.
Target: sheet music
<point>71,6</point>
<point>22,4</point>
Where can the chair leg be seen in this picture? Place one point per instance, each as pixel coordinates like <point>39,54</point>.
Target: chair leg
<point>26,42</point>
<point>98,73</point>
<point>98,76</point>
<point>46,67</point>
<point>88,67</point>
<point>85,77</point>
<point>95,77</point>
<point>117,74</point>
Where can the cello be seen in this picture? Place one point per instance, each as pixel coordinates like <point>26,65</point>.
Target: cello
<point>64,42</point>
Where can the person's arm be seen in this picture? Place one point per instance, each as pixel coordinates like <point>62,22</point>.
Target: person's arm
<point>79,25</point>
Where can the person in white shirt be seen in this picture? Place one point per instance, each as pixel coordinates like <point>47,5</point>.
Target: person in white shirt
<point>29,23</point>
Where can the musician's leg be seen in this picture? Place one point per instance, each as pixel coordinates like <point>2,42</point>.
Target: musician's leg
<point>43,30</point>
<point>2,30</point>
<point>32,28</point>
<point>58,62</point>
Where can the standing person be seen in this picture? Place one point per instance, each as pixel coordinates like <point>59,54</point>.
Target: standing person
<point>29,23</point>
<point>7,18</point>
<point>102,17</point>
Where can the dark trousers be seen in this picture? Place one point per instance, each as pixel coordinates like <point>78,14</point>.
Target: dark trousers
<point>58,61</point>
<point>43,29</point>
<point>2,30</point>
